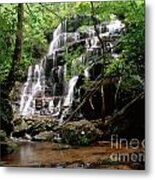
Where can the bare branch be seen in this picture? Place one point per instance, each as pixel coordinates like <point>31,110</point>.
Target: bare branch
<point>29,9</point>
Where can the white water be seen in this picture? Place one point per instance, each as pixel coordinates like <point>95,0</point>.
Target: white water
<point>115,26</point>
<point>34,86</point>
<point>61,39</point>
<point>70,95</point>
<point>86,73</point>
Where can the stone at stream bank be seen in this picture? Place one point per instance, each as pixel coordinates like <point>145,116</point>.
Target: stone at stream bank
<point>129,123</point>
<point>45,136</point>
<point>80,132</point>
<point>6,113</point>
<point>6,145</point>
<point>32,126</point>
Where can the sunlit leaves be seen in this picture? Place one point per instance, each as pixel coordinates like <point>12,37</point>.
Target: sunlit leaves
<point>40,18</point>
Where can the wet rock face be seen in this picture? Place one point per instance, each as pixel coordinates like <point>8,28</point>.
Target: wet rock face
<point>95,70</point>
<point>80,132</point>
<point>92,108</point>
<point>49,36</point>
<point>32,127</point>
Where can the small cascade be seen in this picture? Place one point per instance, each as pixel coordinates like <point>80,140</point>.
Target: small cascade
<point>115,26</point>
<point>69,98</point>
<point>86,73</point>
<point>26,90</point>
<point>61,40</point>
<point>34,86</point>
<point>60,29</point>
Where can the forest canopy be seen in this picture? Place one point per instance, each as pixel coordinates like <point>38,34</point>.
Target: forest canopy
<point>40,19</point>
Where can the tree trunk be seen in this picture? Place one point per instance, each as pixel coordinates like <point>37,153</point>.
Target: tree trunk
<point>9,82</point>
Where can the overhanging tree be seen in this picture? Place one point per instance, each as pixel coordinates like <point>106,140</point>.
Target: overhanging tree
<point>8,83</point>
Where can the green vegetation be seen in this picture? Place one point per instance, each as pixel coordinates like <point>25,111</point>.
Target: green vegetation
<point>26,31</point>
<point>80,133</point>
<point>7,145</point>
<point>42,18</point>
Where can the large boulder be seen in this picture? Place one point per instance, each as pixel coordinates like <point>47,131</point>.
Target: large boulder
<point>32,126</point>
<point>80,132</point>
<point>20,125</point>
<point>45,136</point>
<point>6,114</point>
<point>6,145</point>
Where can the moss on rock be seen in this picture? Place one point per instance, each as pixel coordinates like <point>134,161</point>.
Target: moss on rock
<point>44,136</point>
<point>6,145</point>
<point>80,133</point>
<point>6,114</point>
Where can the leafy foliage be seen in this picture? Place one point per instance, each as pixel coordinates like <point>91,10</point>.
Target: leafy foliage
<point>41,19</point>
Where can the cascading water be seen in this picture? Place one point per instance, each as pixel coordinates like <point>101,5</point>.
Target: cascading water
<point>69,98</point>
<point>34,86</point>
<point>49,74</point>
<point>61,40</point>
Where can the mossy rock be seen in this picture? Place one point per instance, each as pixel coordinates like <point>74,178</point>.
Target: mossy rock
<point>33,126</point>
<point>80,133</point>
<point>6,114</point>
<point>44,136</point>
<point>2,136</point>
<point>37,127</point>
<point>20,125</point>
<point>6,145</point>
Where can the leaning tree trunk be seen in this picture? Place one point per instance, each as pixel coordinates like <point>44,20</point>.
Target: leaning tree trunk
<point>103,45</point>
<point>9,82</point>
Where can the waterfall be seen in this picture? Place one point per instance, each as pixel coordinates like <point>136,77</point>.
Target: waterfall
<point>115,26</point>
<point>86,73</point>
<point>26,89</point>
<point>47,78</point>
<point>61,39</point>
<point>34,86</point>
<point>69,98</point>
